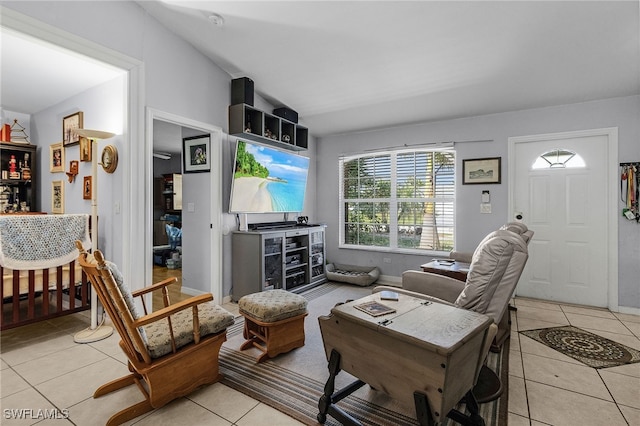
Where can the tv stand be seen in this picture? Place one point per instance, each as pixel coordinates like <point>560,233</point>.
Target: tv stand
<point>283,255</point>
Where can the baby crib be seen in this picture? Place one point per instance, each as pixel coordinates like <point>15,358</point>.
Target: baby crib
<point>39,275</point>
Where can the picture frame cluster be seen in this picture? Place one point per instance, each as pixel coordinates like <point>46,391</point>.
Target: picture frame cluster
<point>57,162</point>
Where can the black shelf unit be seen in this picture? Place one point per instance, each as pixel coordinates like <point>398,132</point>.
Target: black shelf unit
<point>21,187</point>
<point>248,122</point>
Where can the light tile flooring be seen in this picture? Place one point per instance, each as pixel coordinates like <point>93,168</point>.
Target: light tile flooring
<point>43,369</point>
<point>548,388</point>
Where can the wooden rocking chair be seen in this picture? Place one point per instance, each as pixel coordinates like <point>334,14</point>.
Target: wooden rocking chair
<point>171,352</point>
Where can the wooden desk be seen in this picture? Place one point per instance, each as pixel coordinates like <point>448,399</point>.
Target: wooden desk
<point>424,354</point>
<point>457,270</point>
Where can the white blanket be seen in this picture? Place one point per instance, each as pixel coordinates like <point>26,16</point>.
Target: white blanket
<point>41,241</point>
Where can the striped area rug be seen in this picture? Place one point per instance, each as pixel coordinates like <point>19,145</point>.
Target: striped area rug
<point>292,385</point>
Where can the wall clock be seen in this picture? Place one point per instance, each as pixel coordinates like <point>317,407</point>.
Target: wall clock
<point>109,159</point>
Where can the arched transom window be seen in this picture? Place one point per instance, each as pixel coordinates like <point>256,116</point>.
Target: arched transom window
<point>559,158</point>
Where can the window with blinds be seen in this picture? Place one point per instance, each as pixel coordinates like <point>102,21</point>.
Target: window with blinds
<point>398,200</point>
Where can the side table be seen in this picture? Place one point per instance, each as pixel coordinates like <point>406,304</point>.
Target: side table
<point>449,268</point>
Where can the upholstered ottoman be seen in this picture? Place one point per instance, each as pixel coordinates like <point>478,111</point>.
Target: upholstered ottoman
<point>273,321</point>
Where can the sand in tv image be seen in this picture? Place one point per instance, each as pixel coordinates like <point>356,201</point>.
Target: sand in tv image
<point>267,180</point>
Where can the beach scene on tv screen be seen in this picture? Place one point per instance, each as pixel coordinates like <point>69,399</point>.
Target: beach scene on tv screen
<point>268,180</point>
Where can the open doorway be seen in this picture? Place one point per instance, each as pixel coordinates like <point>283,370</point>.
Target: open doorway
<point>167,208</point>
<point>187,204</point>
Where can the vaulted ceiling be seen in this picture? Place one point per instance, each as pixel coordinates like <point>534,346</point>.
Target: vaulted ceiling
<point>356,65</point>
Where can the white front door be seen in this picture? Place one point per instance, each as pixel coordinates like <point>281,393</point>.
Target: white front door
<point>568,210</point>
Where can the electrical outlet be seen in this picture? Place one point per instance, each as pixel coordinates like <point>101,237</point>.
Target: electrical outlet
<point>386,260</point>
<point>485,208</point>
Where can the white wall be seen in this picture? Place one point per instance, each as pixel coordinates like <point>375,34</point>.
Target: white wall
<point>471,225</point>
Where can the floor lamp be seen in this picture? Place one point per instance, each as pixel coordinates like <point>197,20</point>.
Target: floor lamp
<point>95,332</point>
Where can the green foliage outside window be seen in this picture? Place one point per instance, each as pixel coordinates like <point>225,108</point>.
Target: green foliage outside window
<point>419,197</point>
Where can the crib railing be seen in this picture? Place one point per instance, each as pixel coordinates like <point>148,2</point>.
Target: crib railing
<point>44,298</point>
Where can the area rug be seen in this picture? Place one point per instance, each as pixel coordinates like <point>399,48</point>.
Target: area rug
<point>294,382</point>
<point>588,348</point>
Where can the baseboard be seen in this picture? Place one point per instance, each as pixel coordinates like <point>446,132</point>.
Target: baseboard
<point>192,291</point>
<point>389,280</point>
<point>628,310</point>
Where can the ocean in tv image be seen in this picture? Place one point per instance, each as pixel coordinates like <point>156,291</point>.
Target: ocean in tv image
<point>268,180</point>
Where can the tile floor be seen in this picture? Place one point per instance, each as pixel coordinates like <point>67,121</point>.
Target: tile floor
<point>42,368</point>
<point>548,388</point>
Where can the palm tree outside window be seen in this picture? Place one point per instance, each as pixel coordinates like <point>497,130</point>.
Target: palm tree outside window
<point>400,200</point>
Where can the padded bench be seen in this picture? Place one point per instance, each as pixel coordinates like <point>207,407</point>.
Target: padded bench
<point>273,321</point>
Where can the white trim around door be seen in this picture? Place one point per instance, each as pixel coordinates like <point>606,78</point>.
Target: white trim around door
<point>611,201</point>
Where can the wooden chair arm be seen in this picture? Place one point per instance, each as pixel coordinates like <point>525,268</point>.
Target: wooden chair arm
<point>154,287</point>
<point>173,309</point>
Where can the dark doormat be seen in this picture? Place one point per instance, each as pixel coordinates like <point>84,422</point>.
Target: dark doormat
<point>588,348</point>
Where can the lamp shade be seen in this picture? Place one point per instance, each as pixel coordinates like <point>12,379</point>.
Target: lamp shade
<point>94,134</point>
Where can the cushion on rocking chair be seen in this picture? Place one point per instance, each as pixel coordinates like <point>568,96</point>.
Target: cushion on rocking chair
<point>213,319</point>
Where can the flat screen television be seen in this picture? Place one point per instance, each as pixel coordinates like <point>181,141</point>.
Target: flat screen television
<point>267,180</point>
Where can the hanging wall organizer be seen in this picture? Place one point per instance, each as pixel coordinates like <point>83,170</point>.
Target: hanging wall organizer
<point>630,190</point>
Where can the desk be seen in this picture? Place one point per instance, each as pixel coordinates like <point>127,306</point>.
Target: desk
<point>457,270</point>
<point>425,354</point>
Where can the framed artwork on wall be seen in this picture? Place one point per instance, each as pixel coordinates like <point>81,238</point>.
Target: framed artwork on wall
<point>481,170</point>
<point>85,149</point>
<point>56,157</point>
<point>87,188</point>
<point>57,196</point>
<point>196,154</point>
<point>69,124</point>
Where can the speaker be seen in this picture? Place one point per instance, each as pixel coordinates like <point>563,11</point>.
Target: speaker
<point>242,91</point>
<point>286,113</point>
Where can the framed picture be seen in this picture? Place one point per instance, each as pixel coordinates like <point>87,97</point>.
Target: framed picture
<point>57,196</point>
<point>87,188</point>
<point>56,157</point>
<point>69,124</point>
<point>195,154</point>
<point>85,149</point>
<point>481,170</point>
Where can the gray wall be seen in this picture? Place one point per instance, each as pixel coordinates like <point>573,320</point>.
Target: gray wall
<point>178,80</point>
<point>471,225</point>
<point>181,81</point>
<point>100,105</point>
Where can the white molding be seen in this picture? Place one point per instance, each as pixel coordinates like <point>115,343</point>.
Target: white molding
<point>628,310</point>
<point>390,280</point>
<point>132,208</point>
<point>192,291</point>
<point>612,196</point>
<point>216,191</point>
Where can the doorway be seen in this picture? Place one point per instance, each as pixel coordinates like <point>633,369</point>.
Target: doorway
<point>570,205</point>
<point>200,214</point>
<point>167,208</point>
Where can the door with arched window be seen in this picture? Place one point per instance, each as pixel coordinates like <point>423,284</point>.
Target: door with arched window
<point>559,186</point>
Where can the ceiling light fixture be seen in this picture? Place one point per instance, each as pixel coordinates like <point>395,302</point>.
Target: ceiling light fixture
<point>162,155</point>
<point>216,19</point>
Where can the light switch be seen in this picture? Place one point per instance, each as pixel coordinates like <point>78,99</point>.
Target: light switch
<point>486,197</point>
<point>191,207</point>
